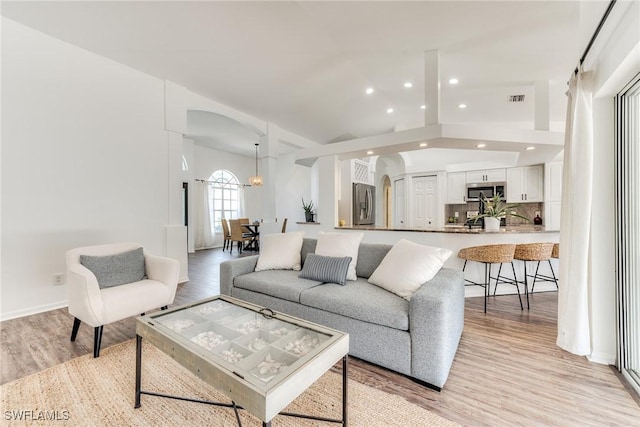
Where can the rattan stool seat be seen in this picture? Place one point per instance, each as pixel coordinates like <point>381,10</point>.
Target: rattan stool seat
<point>533,251</point>
<point>488,253</point>
<point>537,252</point>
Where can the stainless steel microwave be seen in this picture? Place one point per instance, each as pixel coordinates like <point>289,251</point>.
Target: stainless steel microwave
<point>474,191</point>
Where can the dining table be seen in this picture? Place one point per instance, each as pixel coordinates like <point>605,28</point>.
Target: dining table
<point>254,229</point>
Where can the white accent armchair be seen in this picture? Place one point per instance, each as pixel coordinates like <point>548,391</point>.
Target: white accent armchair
<point>96,306</point>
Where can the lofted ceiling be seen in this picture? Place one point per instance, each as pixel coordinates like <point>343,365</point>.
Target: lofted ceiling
<point>305,65</point>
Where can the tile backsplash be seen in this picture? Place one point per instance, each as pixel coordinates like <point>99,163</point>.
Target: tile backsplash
<point>526,209</point>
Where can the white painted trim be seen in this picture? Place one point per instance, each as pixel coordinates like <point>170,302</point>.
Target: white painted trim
<point>602,358</point>
<point>33,310</point>
<point>440,136</point>
<point>631,381</point>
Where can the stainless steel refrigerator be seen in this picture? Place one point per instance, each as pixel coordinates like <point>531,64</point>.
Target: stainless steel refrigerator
<point>364,207</point>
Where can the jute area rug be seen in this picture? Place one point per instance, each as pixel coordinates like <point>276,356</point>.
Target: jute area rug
<point>100,392</point>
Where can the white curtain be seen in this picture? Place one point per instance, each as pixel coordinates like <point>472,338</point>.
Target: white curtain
<point>242,209</point>
<point>204,235</point>
<point>575,242</point>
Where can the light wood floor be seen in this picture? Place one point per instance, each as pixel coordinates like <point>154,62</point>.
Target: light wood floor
<point>507,371</point>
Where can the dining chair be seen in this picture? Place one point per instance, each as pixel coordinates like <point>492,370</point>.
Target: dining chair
<point>237,234</point>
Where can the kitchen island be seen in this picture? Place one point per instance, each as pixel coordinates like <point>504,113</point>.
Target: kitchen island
<point>456,237</point>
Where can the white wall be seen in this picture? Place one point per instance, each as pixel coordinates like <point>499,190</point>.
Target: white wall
<point>292,182</point>
<point>206,161</point>
<point>85,161</point>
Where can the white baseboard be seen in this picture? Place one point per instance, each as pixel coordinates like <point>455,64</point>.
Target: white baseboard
<point>602,358</point>
<point>32,310</point>
<point>478,291</point>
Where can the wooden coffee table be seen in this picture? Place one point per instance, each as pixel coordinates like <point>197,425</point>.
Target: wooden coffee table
<point>260,359</point>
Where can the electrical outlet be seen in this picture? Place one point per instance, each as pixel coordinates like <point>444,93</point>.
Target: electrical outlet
<point>58,278</point>
<point>456,214</point>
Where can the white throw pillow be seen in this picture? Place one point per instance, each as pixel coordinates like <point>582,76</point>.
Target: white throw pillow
<point>407,266</point>
<point>340,245</point>
<point>280,251</point>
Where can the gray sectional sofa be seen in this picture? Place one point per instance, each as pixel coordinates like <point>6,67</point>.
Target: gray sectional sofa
<point>417,338</point>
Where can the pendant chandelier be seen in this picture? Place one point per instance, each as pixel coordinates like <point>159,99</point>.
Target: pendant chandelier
<point>256,180</point>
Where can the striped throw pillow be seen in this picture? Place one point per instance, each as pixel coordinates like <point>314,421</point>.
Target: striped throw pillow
<point>326,269</point>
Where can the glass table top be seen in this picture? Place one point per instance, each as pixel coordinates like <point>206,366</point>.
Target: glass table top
<point>254,343</point>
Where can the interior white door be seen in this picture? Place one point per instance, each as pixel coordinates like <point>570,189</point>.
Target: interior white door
<point>424,202</point>
<point>398,203</point>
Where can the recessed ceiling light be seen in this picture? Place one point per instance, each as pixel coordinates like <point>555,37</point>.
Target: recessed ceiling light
<point>462,106</point>
<point>369,152</point>
<point>408,85</point>
<point>423,144</point>
<point>369,91</point>
<point>453,81</point>
<point>389,110</point>
<point>481,145</point>
<point>424,107</point>
<point>530,148</point>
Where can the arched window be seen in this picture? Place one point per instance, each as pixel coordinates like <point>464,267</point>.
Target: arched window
<point>223,197</point>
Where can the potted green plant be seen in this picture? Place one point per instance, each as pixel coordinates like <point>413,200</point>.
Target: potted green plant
<point>308,210</point>
<point>494,210</point>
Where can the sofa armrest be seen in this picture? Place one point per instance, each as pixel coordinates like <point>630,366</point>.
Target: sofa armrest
<point>235,267</point>
<point>164,270</point>
<point>436,319</point>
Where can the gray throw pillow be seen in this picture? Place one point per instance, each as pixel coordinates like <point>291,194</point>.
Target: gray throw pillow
<point>114,270</point>
<point>326,269</point>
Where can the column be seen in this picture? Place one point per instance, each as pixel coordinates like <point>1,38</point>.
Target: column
<point>432,87</point>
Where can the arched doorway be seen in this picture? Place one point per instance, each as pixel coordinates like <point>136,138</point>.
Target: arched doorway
<point>387,202</point>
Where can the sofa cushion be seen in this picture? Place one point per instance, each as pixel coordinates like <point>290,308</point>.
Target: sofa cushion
<point>369,258</point>
<point>308,247</point>
<point>379,307</point>
<point>280,251</point>
<point>407,266</point>
<point>326,269</point>
<point>283,284</point>
<point>340,245</point>
<point>116,270</point>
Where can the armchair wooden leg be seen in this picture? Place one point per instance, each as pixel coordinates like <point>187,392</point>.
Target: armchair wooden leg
<point>76,326</point>
<point>97,340</point>
<point>164,307</point>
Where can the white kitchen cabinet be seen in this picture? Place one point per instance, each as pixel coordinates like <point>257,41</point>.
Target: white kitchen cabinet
<point>552,195</point>
<point>488,175</point>
<point>525,184</point>
<point>553,182</point>
<point>456,188</point>
<point>552,211</point>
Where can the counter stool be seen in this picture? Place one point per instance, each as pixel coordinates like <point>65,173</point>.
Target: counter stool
<point>488,255</point>
<point>555,253</point>
<point>533,252</point>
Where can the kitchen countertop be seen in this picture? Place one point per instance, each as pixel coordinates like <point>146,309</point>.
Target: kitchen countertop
<point>461,229</point>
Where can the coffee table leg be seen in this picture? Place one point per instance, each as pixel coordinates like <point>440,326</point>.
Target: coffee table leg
<point>345,361</point>
<point>138,369</point>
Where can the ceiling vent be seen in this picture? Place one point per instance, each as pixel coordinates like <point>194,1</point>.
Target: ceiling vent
<point>516,98</point>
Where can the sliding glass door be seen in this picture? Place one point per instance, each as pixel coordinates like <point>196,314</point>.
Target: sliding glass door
<point>628,230</point>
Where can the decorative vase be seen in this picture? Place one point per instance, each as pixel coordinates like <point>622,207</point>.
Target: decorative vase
<point>491,224</point>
